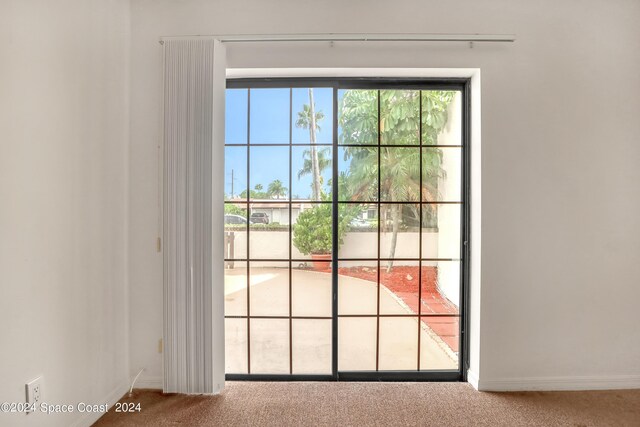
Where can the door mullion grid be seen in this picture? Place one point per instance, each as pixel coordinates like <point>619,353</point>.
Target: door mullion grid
<point>420,232</point>
<point>290,230</point>
<point>335,214</point>
<point>248,231</point>
<point>336,259</point>
<point>379,149</point>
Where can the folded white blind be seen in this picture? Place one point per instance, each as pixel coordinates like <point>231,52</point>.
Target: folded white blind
<point>193,183</point>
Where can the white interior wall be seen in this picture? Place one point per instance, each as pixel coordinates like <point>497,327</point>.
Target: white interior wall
<point>560,155</point>
<point>64,124</point>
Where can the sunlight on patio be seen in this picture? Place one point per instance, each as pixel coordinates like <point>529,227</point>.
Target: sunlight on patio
<point>311,338</point>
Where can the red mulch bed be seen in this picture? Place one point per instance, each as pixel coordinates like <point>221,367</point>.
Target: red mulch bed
<point>403,282</point>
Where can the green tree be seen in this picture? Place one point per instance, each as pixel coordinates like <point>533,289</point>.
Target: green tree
<point>276,189</point>
<point>235,210</point>
<point>254,194</point>
<point>258,187</point>
<point>309,119</point>
<point>399,124</point>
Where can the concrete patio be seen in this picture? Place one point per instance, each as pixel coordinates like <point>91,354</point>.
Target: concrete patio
<point>311,338</point>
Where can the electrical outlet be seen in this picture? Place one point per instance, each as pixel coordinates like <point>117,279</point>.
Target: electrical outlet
<point>34,393</point>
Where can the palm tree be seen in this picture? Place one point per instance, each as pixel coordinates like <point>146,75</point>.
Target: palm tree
<point>276,189</point>
<point>309,119</point>
<point>258,187</point>
<point>399,182</point>
<point>324,161</point>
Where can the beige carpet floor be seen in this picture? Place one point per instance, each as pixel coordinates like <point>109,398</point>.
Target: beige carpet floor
<point>378,404</point>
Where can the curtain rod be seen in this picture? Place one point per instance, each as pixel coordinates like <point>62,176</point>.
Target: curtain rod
<point>338,37</point>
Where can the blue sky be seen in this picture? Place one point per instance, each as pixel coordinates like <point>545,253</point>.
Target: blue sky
<point>270,123</point>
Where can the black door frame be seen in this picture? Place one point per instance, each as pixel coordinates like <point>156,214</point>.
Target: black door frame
<point>459,84</point>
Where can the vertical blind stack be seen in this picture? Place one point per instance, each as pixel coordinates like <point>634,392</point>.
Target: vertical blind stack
<point>190,330</point>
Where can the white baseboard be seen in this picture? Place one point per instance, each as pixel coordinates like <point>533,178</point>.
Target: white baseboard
<point>89,418</point>
<point>613,382</point>
<point>472,378</point>
<point>149,382</point>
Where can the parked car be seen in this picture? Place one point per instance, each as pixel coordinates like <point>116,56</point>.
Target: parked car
<point>259,218</point>
<point>234,219</point>
<point>359,223</point>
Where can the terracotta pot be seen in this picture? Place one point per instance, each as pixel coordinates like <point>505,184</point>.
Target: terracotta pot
<point>321,262</point>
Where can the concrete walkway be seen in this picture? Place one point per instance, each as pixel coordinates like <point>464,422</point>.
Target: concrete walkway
<point>311,296</point>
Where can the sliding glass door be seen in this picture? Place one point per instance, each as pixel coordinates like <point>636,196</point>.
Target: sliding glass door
<point>345,222</point>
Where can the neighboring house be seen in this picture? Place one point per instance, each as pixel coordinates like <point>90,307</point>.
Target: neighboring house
<point>277,210</point>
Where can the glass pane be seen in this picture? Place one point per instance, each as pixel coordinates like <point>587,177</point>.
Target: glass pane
<point>311,290</point>
<point>441,231</point>
<point>357,343</point>
<point>269,291</point>
<point>269,173</point>
<point>358,117</point>
<point>358,287</point>
<point>235,231</point>
<point>269,346</point>
<point>400,231</point>
<point>398,344</point>
<point>358,174</point>
<point>311,341</point>
<point>399,287</point>
<point>269,231</point>
<point>442,174</point>
<point>312,231</point>
<point>441,117</point>
<point>235,117</point>
<point>440,287</point>
<point>269,116</point>
<point>400,174</point>
<point>399,117</point>
<point>301,115</point>
<point>235,173</point>
<point>235,288</point>
<point>359,230</point>
<point>305,178</point>
<point>273,215</point>
<point>439,342</point>
<point>235,335</point>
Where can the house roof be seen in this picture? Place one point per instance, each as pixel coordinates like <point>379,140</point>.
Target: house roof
<point>270,203</point>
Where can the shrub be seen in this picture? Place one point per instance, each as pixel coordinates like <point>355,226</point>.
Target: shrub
<point>312,231</point>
